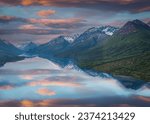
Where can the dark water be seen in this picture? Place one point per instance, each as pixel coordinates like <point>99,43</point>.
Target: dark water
<point>40,82</point>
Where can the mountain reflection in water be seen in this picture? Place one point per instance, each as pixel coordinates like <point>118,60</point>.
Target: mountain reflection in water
<point>40,82</point>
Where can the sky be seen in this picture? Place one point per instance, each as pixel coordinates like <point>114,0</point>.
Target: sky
<point>39,21</point>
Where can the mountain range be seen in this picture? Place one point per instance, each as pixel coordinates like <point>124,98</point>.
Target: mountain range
<point>89,39</point>
<point>117,51</point>
<point>66,44</point>
<point>8,52</point>
<point>29,46</point>
<point>126,52</point>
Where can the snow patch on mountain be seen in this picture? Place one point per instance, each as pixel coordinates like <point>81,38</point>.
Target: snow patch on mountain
<point>106,31</point>
<point>69,39</point>
<point>109,30</point>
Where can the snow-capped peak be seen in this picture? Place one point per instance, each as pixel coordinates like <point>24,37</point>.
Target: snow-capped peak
<point>69,39</point>
<point>109,30</point>
<point>106,30</point>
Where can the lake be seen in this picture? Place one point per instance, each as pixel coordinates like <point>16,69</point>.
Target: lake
<point>41,82</point>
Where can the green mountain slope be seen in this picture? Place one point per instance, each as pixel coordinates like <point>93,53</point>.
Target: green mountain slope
<point>127,52</point>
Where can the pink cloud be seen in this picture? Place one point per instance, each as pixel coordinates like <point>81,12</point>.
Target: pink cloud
<point>107,5</point>
<point>6,87</point>
<point>53,83</point>
<point>28,26</point>
<point>45,13</point>
<point>46,92</point>
<point>146,99</point>
<point>26,77</point>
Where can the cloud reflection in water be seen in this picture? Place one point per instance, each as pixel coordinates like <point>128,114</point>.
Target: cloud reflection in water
<point>50,85</point>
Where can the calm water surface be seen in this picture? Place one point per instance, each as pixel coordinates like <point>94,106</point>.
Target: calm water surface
<point>40,82</point>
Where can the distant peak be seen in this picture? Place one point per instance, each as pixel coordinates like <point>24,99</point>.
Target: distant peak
<point>109,30</point>
<point>133,26</point>
<point>61,36</point>
<point>69,39</point>
<point>29,46</point>
<point>136,22</point>
<point>31,43</point>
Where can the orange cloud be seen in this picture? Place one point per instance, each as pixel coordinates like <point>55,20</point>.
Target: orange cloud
<point>53,83</point>
<point>135,101</point>
<point>60,23</point>
<point>61,3</point>
<point>107,5</point>
<point>45,103</point>
<point>27,2</point>
<point>53,102</point>
<point>27,103</point>
<point>45,13</point>
<point>41,103</point>
<point>45,92</point>
<point>55,21</point>
<point>28,26</point>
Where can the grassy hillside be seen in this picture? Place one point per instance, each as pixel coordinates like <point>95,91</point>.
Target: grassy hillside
<point>136,66</point>
<point>120,55</point>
